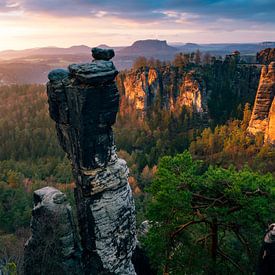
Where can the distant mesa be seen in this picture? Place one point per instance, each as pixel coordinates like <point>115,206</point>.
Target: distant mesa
<point>149,47</point>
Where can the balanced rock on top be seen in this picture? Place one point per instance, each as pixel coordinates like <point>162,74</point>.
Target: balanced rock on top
<point>102,54</point>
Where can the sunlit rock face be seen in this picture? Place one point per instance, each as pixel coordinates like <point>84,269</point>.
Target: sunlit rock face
<point>266,56</point>
<point>144,86</point>
<point>84,102</point>
<point>262,119</point>
<point>193,93</point>
<point>270,130</point>
<point>141,87</point>
<point>53,247</point>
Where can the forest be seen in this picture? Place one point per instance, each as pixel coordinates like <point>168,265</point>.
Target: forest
<point>215,180</point>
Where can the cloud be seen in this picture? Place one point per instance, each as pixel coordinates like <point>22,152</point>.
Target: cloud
<point>7,6</point>
<point>144,10</point>
<point>182,20</point>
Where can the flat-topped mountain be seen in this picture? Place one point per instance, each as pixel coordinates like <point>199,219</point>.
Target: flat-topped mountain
<point>149,47</point>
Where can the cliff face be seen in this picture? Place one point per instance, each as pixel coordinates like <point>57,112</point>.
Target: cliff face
<point>192,93</point>
<point>270,130</point>
<point>263,115</point>
<point>142,87</point>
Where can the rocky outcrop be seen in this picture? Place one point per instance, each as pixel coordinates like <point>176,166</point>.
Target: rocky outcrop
<point>103,54</point>
<point>53,247</point>
<point>84,102</point>
<point>143,86</point>
<point>270,129</point>
<point>262,119</point>
<point>266,56</point>
<point>193,93</point>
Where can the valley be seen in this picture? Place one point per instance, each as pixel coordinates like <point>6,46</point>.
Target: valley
<point>166,108</point>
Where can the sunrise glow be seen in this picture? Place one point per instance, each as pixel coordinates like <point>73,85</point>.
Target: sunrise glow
<point>28,24</point>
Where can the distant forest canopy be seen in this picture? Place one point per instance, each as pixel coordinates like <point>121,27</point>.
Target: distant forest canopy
<point>30,156</point>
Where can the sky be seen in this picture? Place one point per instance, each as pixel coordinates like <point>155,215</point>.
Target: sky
<point>63,23</point>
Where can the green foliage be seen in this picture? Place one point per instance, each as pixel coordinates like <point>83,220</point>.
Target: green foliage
<point>10,269</point>
<point>26,131</point>
<point>207,220</point>
<point>230,144</point>
<point>232,85</point>
<point>15,207</point>
<point>157,134</point>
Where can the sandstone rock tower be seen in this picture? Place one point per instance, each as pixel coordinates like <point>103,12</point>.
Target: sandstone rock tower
<point>53,247</point>
<point>263,115</point>
<point>83,102</point>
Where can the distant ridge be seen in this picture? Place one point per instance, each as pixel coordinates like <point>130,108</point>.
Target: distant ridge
<point>33,65</point>
<point>148,48</point>
<point>268,43</point>
<point>12,54</point>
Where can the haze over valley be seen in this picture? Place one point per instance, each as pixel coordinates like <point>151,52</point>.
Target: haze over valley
<point>33,65</point>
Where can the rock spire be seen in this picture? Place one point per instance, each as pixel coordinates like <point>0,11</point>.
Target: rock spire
<point>83,102</point>
<point>263,115</point>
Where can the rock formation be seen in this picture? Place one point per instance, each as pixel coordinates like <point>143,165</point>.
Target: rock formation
<point>53,247</point>
<point>83,102</point>
<point>266,56</point>
<point>263,115</point>
<point>144,85</point>
<point>193,93</point>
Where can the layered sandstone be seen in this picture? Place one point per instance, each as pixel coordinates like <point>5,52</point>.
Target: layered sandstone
<point>270,130</point>
<point>266,56</point>
<point>143,86</point>
<point>262,119</point>
<point>193,93</point>
<point>84,102</point>
<point>53,247</point>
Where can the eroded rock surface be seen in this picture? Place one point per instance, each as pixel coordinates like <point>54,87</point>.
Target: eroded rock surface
<point>53,247</point>
<point>266,56</point>
<point>262,119</point>
<point>103,54</point>
<point>144,85</point>
<point>84,105</point>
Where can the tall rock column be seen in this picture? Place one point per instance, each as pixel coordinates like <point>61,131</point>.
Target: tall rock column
<point>262,119</point>
<point>83,102</point>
